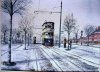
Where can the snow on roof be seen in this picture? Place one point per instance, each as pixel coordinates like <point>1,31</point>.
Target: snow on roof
<point>48,22</point>
<point>96,31</point>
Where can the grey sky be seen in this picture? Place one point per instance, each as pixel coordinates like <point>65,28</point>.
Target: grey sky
<point>85,12</point>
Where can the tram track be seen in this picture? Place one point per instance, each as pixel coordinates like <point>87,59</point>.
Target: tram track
<point>45,64</point>
<point>78,68</point>
<point>36,59</point>
<point>33,65</point>
<point>41,61</point>
<point>89,52</point>
<point>78,57</point>
<point>78,63</point>
<point>52,59</point>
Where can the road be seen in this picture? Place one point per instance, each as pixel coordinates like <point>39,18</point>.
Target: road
<point>62,60</point>
<point>41,58</point>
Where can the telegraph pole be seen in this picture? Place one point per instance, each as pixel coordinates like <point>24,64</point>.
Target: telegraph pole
<point>60,25</point>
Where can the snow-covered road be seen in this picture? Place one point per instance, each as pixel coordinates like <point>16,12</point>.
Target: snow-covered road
<point>41,58</point>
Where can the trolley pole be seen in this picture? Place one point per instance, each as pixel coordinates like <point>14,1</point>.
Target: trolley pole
<point>60,25</point>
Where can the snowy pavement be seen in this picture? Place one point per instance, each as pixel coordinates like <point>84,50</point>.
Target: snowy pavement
<point>41,58</point>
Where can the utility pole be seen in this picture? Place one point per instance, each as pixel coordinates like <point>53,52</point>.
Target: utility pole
<point>60,25</point>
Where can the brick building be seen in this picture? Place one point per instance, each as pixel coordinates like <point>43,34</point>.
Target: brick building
<point>95,36</point>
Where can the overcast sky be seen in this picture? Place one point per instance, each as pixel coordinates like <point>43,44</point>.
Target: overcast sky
<point>84,11</point>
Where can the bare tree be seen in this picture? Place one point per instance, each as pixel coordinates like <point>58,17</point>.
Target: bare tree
<point>11,7</point>
<point>30,34</point>
<point>25,26</point>
<point>16,33</point>
<point>4,30</point>
<point>69,25</point>
<point>89,29</point>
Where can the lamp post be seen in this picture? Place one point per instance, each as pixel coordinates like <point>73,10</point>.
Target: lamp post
<point>60,25</point>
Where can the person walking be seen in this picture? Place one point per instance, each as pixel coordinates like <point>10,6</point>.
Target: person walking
<point>70,43</point>
<point>64,42</point>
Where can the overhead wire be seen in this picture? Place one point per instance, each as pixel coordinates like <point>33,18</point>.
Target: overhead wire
<point>39,5</point>
<point>55,7</point>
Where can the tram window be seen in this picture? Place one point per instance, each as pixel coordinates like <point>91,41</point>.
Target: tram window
<point>46,33</point>
<point>45,26</point>
<point>49,26</point>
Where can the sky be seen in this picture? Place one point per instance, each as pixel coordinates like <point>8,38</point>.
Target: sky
<point>84,11</point>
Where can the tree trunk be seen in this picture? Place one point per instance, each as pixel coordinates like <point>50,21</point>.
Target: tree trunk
<point>68,40</point>
<point>28,39</point>
<point>10,39</point>
<point>4,39</point>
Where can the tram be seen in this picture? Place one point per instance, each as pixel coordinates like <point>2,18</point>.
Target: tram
<point>48,34</point>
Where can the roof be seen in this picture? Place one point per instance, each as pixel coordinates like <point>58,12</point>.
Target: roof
<point>47,23</point>
<point>96,31</point>
<point>98,28</point>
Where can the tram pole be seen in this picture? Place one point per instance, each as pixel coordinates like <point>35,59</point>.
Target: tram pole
<point>60,25</point>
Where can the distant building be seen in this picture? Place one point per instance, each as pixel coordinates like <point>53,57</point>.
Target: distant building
<point>83,39</point>
<point>48,34</point>
<point>95,36</point>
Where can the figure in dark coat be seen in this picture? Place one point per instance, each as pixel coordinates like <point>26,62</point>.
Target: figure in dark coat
<point>64,42</point>
<point>34,40</point>
<point>70,43</point>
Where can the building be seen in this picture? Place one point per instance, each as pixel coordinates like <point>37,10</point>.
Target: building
<point>95,36</point>
<point>83,39</point>
<point>48,34</point>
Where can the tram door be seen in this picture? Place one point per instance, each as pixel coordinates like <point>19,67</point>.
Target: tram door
<point>34,40</point>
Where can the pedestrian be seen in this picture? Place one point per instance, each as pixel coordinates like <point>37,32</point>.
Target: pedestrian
<point>64,42</point>
<point>70,43</point>
<point>34,41</point>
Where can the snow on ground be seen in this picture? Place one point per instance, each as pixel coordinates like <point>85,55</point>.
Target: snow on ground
<point>96,45</point>
<point>91,45</point>
<point>85,52</point>
<point>5,49</point>
<point>62,62</point>
<point>41,58</point>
